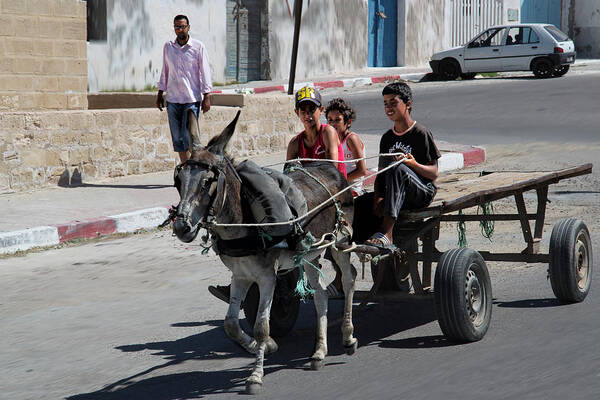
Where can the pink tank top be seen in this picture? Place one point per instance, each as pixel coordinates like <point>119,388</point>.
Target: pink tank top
<point>318,150</point>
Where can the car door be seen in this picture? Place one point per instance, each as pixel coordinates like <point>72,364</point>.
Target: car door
<point>483,54</point>
<point>521,46</point>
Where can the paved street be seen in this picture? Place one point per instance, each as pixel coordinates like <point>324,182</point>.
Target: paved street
<point>131,318</point>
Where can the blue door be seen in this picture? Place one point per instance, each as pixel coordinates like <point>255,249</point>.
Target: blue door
<point>383,33</point>
<point>541,11</point>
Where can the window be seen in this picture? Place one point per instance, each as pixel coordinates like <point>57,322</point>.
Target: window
<point>491,37</point>
<point>556,33</point>
<point>522,35</point>
<point>96,20</point>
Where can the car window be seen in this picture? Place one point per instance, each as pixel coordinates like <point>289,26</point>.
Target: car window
<point>491,37</point>
<point>521,35</point>
<point>556,33</point>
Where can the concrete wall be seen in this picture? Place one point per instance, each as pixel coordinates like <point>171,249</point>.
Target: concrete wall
<point>39,149</point>
<point>333,38</point>
<point>43,54</point>
<point>131,57</point>
<point>426,30</point>
<point>581,20</point>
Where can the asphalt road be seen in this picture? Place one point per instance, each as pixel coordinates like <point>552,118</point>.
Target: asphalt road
<point>500,110</point>
<point>131,318</point>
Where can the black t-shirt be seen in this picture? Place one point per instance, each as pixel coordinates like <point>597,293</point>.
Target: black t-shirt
<point>418,141</point>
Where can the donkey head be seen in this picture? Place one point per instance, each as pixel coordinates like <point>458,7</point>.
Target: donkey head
<point>201,181</point>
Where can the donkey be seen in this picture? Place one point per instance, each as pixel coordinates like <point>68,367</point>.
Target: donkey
<point>211,195</point>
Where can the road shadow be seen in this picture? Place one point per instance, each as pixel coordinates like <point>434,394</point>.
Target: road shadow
<point>530,303</point>
<point>169,380</point>
<point>93,185</point>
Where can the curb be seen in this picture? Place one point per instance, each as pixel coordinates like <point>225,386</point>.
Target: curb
<point>150,218</point>
<point>43,236</point>
<point>353,82</point>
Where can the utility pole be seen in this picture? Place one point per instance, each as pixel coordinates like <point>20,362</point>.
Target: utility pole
<point>236,13</point>
<point>298,17</point>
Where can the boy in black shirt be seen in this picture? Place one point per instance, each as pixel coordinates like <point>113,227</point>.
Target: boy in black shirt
<point>408,185</point>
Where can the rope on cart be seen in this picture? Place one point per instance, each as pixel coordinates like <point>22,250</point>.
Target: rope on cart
<point>461,229</point>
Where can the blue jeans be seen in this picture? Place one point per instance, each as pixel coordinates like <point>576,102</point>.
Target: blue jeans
<point>178,123</point>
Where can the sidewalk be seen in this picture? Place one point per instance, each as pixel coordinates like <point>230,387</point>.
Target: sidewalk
<point>52,216</point>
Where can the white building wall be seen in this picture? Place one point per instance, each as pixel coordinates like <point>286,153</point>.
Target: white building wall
<point>131,57</point>
<point>585,29</point>
<point>333,38</point>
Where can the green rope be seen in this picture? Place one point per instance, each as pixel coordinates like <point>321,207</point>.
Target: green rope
<point>264,236</point>
<point>302,288</point>
<point>487,227</point>
<point>206,247</point>
<point>462,231</point>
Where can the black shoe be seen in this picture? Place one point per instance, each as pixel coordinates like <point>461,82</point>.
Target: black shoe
<point>222,293</point>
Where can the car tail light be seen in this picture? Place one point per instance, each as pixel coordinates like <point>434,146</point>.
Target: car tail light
<point>558,50</point>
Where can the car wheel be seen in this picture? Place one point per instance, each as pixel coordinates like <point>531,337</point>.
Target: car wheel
<point>449,69</point>
<point>543,68</point>
<point>467,77</point>
<point>560,70</point>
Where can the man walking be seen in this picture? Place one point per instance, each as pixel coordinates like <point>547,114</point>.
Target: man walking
<point>186,78</point>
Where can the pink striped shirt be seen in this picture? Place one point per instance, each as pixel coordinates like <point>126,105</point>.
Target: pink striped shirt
<point>185,72</point>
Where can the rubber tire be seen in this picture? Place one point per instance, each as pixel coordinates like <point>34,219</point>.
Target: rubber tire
<point>284,309</point>
<point>468,76</point>
<point>450,300</point>
<point>449,69</point>
<point>395,279</point>
<point>542,68</point>
<point>560,70</point>
<point>564,260</point>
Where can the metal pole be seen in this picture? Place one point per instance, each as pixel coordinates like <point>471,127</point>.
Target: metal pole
<point>298,16</point>
<point>237,41</point>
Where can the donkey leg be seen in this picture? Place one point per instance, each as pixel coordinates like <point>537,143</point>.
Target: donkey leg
<point>320,299</point>
<point>239,288</point>
<point>349,284</point>
<point>265,343</point>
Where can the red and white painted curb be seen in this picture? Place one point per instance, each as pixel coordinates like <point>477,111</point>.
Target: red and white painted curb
<point>150,218</point>
<point>44,236</point>
<point>353,82</point>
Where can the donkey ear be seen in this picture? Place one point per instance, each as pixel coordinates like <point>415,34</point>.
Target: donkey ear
<point>218,143</point>
<point>193,131</point>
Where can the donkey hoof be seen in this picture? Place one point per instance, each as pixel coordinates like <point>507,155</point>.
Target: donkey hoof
<point>272,346</point>
<point>316,365</point>
<point>253,388</point>
<point>351,349</point>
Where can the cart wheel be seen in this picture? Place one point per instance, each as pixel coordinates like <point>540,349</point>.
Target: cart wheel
<point>570,267</point>
<point>395,278</point>
<point>463,295</point>
<point>284,309</point>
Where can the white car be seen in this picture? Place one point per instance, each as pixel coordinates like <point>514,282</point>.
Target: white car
<point>541,48</point>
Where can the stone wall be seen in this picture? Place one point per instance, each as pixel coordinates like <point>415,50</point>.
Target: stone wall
<point>39,149</point>
<point>43,55</point>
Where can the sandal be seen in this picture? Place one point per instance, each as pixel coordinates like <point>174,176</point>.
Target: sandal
<point>333,292</point>
<point>380,241</point>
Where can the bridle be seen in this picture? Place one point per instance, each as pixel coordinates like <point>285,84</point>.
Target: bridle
<point>214,188</point>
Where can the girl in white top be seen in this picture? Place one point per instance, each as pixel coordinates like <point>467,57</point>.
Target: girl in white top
<point>340,116</point>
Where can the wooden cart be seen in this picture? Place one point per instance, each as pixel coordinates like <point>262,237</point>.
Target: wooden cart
<point>463,292</point>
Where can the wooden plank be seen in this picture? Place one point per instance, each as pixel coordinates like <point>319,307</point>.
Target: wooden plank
<point>458,191</point>
<point>483,217</point>
<point>524,221</point>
